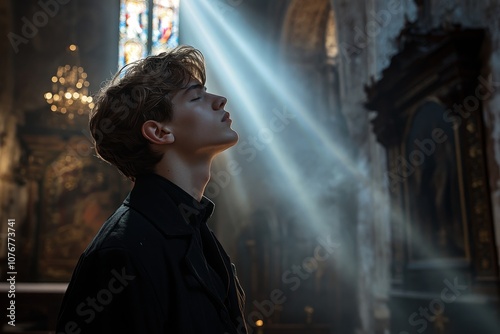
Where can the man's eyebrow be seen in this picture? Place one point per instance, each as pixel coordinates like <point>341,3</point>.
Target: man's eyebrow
<point>193,87</point>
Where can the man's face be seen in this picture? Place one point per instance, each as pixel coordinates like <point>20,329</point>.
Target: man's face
<point>200,124</point>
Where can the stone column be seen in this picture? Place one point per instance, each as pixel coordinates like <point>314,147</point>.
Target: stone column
<point>366,34</point>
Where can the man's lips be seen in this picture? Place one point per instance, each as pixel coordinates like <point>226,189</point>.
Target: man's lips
<point>225,117</point>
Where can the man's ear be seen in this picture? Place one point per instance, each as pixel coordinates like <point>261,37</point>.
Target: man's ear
<point>157,133</point>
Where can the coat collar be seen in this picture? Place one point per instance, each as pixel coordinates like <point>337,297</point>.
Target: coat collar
<point>167,206</point>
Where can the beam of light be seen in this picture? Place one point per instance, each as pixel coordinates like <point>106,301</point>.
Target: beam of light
<point>228,65</point>
<point>252,58</point>
<point>213,40</point>
<point>316,132</point>
<point>314,129</point>
<point>216,34</point>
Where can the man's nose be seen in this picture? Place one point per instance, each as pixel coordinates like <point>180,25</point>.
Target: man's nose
<point>219,102</point>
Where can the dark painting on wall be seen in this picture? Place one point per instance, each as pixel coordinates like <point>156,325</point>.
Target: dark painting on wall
<point>435,198</point>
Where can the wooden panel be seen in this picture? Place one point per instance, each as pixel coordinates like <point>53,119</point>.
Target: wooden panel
<point>37,307</point>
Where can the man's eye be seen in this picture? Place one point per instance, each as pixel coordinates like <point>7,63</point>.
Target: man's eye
<point>197,98</point>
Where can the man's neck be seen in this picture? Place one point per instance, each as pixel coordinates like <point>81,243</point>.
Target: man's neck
<point>190,176</point>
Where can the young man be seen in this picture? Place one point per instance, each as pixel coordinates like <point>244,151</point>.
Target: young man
<point>155,266</point>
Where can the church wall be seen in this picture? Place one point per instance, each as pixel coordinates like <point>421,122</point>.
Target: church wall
<point>13,194</point>
<point>367,32</point>
<point>27,64</point>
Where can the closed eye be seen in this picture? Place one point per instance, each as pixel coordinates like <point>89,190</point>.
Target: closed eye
<point>197,90</point>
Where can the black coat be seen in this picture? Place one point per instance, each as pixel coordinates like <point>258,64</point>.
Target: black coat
<point>147,271</point>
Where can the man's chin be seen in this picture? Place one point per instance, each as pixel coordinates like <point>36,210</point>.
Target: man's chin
<point>236,139</point>
<point>230,143</point>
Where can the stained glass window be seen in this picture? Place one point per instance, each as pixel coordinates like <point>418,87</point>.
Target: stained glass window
<point>147,27</point>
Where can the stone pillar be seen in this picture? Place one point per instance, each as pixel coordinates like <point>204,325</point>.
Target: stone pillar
<point>366,34</point>
<point>352,75</point>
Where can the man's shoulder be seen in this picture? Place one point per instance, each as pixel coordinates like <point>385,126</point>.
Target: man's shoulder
<point>125,229</point>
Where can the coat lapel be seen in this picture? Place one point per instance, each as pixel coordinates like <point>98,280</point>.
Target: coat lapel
<point>220,260</point>
<point>199,268</point>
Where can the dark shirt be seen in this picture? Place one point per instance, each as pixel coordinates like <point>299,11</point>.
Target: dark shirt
<point>196,213</point>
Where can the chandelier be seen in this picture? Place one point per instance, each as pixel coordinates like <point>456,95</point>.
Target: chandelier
<point>69,95</point>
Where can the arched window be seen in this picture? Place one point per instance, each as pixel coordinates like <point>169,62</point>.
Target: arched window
<point>147,27</point>
<point>310,48</point>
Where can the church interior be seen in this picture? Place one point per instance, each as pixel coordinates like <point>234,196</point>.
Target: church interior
<point>363,196</point>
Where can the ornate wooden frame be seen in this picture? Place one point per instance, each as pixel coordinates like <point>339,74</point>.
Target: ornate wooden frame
<point>444,67</point>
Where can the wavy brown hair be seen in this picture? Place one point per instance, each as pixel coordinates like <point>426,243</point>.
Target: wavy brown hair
<point>139,92</point>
